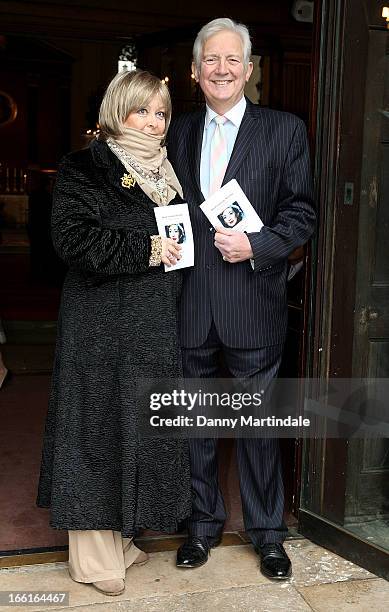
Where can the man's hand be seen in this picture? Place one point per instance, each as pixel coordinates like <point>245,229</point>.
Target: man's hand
<point>234,246</point>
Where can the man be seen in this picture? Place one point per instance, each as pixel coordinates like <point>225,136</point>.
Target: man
<point>234,299</point>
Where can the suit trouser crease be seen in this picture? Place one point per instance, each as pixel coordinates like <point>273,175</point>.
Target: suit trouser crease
<point>258,459</point>
<point>96,555</point>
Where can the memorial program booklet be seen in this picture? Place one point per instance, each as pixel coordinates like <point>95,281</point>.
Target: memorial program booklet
<point>174,222</point>
<point>230,208</point>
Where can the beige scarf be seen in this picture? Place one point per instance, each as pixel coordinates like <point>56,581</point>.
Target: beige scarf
<point>146,160</point>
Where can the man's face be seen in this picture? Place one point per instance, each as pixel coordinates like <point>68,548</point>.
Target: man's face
<point>223,76</point>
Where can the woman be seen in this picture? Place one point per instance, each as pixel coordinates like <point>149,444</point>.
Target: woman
<point>117,324</point>
<point>175,231</point>
<point>231,216</point>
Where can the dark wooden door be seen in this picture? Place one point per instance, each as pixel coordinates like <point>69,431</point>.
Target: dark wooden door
<point>345,498</point>
<point>367,495</point>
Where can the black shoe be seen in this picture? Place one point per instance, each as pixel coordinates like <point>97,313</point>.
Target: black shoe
<point>275,563</point>
<point>194,552</point>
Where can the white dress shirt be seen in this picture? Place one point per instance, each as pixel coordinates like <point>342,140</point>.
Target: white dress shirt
<point>234,118</point>
<point>231,127</point>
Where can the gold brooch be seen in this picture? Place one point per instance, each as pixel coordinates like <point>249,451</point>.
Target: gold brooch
<point>128,181</point>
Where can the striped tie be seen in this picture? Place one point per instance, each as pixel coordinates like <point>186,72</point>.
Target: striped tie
<point>218,155</point>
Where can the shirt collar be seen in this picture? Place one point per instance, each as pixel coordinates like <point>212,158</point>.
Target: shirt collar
<point>235,114</point>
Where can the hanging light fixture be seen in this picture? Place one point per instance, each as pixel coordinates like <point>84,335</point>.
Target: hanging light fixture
<point>128,57</point>
<point>385,15</point>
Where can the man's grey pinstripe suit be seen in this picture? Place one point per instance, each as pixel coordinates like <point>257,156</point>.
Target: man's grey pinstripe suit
<point>237,310</point>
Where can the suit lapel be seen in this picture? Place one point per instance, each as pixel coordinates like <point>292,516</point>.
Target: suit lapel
<point>250,129</point>
<point>195,139</point>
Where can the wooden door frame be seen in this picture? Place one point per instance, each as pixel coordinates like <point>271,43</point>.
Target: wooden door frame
<point>338,145</point>
<point>310,269</point>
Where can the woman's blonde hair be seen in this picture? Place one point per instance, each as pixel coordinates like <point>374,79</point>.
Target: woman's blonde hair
<point>126,93</point>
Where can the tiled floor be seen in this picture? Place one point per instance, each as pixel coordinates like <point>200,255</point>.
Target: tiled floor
<point>230,580</point>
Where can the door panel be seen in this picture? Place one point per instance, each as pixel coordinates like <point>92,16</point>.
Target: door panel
<point>345,495</point>
<point>367,491</point>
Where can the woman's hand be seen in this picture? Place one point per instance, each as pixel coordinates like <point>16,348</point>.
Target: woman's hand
<point>170,252</point>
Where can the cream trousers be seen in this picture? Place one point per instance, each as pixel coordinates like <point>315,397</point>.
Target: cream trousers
<point>100,555</point>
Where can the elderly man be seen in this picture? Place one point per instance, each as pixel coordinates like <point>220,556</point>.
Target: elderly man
<point>234,299</point>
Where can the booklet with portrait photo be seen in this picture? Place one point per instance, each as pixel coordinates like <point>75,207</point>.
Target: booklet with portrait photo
<point>230,208</point>
<point>174,222</point>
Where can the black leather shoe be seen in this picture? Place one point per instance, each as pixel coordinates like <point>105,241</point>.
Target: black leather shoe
<point>194,552</point>
<point>275,563</point>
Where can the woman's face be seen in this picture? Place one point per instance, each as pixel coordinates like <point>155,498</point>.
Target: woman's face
<point>229,217</point>
<point>174,233</point>
<point>150,119</point>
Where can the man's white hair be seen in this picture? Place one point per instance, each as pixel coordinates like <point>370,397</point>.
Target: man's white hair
<point>216,26</point>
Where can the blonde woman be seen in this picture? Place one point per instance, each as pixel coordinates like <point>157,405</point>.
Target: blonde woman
<point>117,324</point>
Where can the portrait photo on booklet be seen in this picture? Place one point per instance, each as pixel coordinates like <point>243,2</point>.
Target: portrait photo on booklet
<point>176,232</point>
<point>174,223</point>
<point>230,208</point>
<point>231,216</point>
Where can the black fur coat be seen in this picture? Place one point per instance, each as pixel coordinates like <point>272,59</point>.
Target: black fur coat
<point>117,324</point>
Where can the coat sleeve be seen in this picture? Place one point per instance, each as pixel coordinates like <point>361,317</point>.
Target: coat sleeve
<point>295,219</point>
<point>78,235</point>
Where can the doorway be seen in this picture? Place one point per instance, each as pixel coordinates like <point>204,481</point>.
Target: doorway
<point>283,49</point>
<point>345,495</point>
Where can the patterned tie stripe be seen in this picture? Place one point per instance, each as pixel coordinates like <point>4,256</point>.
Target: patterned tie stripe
<point>218,155</point>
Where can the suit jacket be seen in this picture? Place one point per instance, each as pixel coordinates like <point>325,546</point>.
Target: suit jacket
<point>270,161</point>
